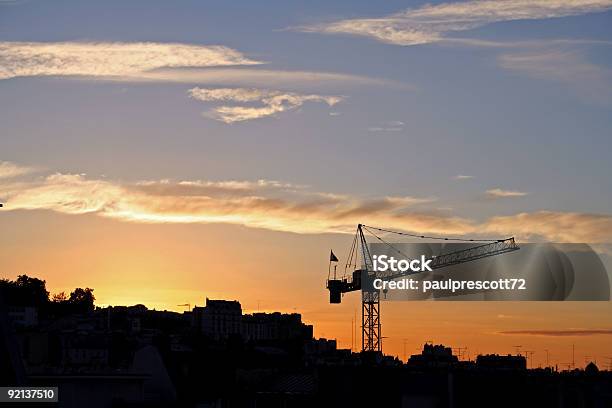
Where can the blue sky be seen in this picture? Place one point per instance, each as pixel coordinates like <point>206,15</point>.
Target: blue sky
<point>462,111</point>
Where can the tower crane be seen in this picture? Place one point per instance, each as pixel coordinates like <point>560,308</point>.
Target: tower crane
<point>371,340</point>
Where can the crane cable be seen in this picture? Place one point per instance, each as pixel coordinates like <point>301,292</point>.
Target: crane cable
<point>429,237</point>
<point>386,243</point>
<point>368,228</point>
<point>349,260</point>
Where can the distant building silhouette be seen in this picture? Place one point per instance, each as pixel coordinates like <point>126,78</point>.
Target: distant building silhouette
<point>591,368</point>
<point>498,362</point>
<point>24,316</point>
<point>221,319</point>
<point>274,326</point>
<point>433,356</point>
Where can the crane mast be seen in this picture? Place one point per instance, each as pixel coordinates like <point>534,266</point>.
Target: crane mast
<point>370,301</point>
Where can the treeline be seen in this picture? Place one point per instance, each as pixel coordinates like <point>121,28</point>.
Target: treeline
<point>27,291</point>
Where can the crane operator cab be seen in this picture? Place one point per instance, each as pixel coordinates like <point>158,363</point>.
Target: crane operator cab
<point>339,286</point>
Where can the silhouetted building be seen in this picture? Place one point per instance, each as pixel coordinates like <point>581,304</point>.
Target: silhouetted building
<point>89,351</point>
<point>433,356</point>
<point>99,390</point>
<point>219,318</point>
<point>591,369</point>
<point>23,316</point>
<point>274,327</point>
<point>498,362</point>
<point>321,346</point>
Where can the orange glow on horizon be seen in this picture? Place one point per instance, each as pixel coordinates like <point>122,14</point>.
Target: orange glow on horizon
<point>163,266</point>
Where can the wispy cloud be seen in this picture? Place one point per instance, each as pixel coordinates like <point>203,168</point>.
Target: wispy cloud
<point>557,65</point>
<point>281,206</point>
<point>255,205</point>
<point>431,23</point>
<point>22,59</point>
<point>524,44</point>
<point>9,170</point>
<point>499,193</point>
<point>271,102</point>
<point>262,78</point>
<point>390,126</point>
<point>161,62</point>
<point>559,333</point>
<point>463,177</point>
<point>555,226</point>
<point>570,67</point>
<point>261,204</point>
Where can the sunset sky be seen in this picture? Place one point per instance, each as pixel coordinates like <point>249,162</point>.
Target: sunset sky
<point>165,152</point>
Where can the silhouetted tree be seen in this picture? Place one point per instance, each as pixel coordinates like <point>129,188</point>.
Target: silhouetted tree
<point>82,299</point>
<point>59,297</point>
<point>25,291</point>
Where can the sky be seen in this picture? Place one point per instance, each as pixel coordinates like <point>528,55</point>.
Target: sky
<point>165,152</point>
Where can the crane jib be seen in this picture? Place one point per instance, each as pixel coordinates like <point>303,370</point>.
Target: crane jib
<point>465,255</point>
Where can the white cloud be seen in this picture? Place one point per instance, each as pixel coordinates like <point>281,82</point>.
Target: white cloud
<point>430,23</point>
<point>463,177</point>
<point>10,170</point>
<point>65,193</point>
<point>499,193</point>
<point>271,102</point>
<point>19,59</point>
<point>161,62</point>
